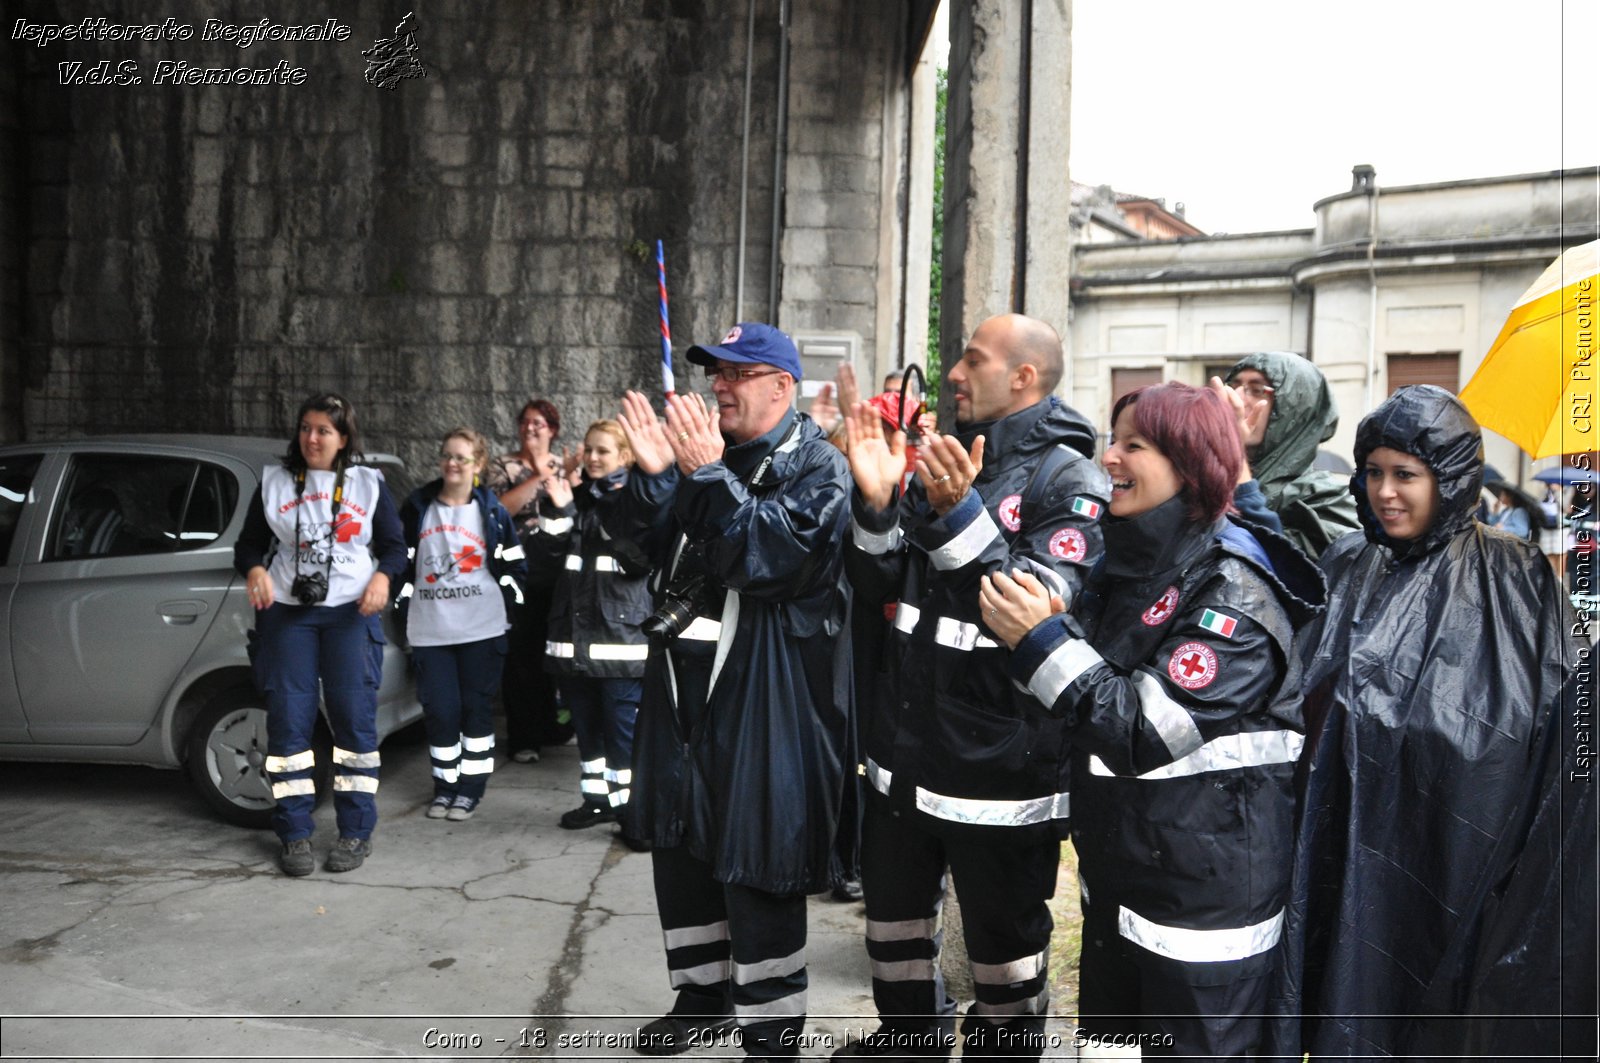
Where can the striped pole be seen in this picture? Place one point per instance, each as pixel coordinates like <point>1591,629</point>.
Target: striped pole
<point>666,328</point>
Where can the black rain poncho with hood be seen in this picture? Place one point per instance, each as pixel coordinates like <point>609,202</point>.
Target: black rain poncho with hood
<point>1433,674</point>
<point>1314,505</point>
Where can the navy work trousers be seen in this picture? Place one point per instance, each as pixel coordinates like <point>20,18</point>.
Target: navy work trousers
<point>603,712</point>
<point>456,685</point>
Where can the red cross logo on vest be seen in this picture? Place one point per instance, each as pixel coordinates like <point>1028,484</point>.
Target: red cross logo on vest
<point>1010,512</point>
<point>1069,545</point>
<point>1193,665</point>
<point>1161,611</point>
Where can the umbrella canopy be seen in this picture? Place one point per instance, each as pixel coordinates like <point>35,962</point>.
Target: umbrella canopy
<point>1566,476</point>
<point>1536,385</point>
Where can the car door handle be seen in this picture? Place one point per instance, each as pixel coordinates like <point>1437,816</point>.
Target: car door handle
<point>185,611</point>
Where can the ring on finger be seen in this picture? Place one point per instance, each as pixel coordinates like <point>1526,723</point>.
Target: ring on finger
<point>682,436</point>
<point>942,479</point>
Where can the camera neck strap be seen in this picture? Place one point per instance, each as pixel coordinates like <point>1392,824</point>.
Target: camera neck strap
<point>757,477</point>
<point>333,516</point>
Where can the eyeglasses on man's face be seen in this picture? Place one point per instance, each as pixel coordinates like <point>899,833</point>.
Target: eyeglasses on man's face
<point>732,374</point>
<point>1255,391</point>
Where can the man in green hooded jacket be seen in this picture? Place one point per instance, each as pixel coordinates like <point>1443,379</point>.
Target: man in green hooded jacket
<point>1285,411</point>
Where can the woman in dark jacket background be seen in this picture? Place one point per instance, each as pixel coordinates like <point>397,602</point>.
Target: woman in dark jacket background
<point>465,579</point>
<point>1181,697</point>
<point>595,648</point>
<point>1433,675</point>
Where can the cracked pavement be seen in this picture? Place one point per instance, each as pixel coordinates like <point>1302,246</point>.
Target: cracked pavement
<point>136,923</point>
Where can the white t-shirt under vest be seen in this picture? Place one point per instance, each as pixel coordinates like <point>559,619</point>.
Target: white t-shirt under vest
<point>311,540</point>
<point>454,598</point>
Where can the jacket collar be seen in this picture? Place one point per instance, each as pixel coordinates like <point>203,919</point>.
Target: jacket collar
<point>742,458</point>
<point>1155,542</point>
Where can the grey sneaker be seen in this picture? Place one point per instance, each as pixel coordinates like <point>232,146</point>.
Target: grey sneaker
<point>462,808</point>
<point>440,805</point>
<point>349,853</point>
<point>296,859</point>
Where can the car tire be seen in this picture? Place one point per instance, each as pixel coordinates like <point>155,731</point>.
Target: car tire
<point>227,751</point>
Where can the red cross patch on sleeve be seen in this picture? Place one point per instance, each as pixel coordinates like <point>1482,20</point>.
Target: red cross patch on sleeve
<point>1069,545</point>
<point>1193,665</point>
<point>1010,512</point>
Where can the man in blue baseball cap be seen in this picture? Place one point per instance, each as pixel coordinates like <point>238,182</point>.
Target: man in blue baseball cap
<point>747,371</point>
<point>743,732</point>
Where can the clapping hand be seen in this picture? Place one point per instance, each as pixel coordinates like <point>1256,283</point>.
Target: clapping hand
<point>947,470</point>
<point>877,463</point>
<point>646,437</point>
<point>692,431</point>
<point>1014,605</point>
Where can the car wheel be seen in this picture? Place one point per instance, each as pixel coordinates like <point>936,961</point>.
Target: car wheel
<point>227,756</point>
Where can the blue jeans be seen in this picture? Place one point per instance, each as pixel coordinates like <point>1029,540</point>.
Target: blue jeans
<point>603,712</point>
<point>298,646</point>
<point>456,685</point>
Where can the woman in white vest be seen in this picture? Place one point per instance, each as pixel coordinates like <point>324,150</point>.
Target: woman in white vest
<point>320,545</point>
<point>464,580</point>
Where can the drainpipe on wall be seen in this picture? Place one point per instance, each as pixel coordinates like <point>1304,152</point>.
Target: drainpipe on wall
<point>778,156</point>
<point>1019,265</point>
<point>1368,177</point>
<point>744,165</point>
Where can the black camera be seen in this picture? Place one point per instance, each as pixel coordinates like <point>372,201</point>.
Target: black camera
<point>691,593</point>
<point>310,588</point>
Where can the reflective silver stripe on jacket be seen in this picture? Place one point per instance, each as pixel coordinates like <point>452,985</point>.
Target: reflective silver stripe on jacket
<point>560,649</point>
<point>618,651</point>
<point>1171,720</point>
<point>509,553</point>
<point>1253,749</point>
<point>782,967</point>
<point>293,762</point>
<point>880,778</point>
<point>1200,946</point>
<point>555,525</point>
<point>959,635</point>
<point>1061,669</point>
<point>1007,973</point>
<point>906,616</point>
<point>993,813</point>
<point>967,545</point>
<point>702,629</point>
<point>574,563</point>
<point>356,760</point>
<point>606,563</point>
<point>684,936</point>
<point>875,542</point>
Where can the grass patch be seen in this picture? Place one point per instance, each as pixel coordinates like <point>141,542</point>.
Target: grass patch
<point>1066,942</point>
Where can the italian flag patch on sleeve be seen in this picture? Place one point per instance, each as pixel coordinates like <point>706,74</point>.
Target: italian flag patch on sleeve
<point>1219,623</point>
<point>1086,507</point>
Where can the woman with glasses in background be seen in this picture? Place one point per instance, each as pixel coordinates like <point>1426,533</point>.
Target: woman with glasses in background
<point>521,480</point>
<point>464,582</point>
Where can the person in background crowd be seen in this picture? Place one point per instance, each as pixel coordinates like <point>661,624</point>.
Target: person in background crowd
<point>1176,677</point>
<point>596,649</point>
<point>1285,410</point>
<point>464,583</point>
<point>1512,515</point>
<point>521,480</point>
<point>1430,682</point>
<point>964,775</point>
<point>744,725</point>
<point>321,543</point>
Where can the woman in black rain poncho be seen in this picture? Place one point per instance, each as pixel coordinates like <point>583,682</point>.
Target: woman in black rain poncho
<point>1429,682</point>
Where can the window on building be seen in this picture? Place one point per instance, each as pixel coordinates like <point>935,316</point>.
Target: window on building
<point>1442,368</point>
<point>1125,380</point>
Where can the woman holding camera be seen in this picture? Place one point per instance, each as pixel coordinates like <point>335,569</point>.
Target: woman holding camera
<point>320,545</point>
<point>465,578</point>
<point>596,649</point>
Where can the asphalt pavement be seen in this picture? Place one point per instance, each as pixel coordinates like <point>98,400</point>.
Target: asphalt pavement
<point>137,924</point>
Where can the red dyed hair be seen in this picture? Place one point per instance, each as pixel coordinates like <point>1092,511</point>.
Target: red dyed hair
<point>1195,431</point>
<point>546,409</point>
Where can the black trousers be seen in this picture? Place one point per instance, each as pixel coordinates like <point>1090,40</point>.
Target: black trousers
<point>1003,891</point>
<point>732,950</point>
<point>1171,1008</point>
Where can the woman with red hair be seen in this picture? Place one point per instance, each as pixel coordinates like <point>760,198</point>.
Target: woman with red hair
<point>1182,700</point>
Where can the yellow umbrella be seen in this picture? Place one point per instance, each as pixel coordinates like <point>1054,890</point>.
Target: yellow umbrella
<point>1536,385</point>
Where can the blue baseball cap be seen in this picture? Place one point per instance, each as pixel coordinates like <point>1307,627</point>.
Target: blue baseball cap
<point>751,341</point>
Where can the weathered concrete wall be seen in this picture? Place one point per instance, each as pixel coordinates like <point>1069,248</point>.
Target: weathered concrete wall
<point>201,257</point>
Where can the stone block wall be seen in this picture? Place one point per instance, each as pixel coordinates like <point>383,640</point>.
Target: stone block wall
<point>13,175</point>
<point>198,258</point>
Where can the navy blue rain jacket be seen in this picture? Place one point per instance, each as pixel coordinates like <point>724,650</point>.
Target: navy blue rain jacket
<point>750,777</point>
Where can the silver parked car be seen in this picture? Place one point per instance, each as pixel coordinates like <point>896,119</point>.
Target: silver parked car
<point>123,627</point>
